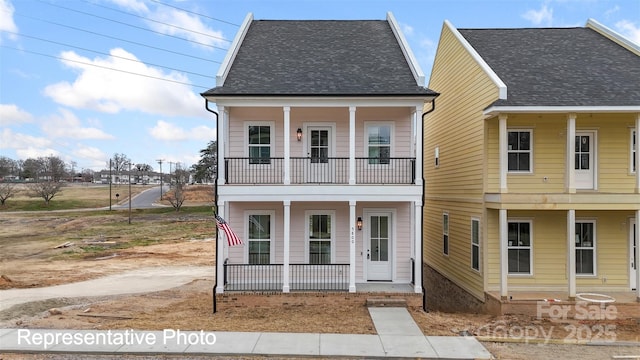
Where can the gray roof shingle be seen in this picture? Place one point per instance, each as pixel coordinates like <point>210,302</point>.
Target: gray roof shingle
<point>559,66</point>
<point>318,58</point>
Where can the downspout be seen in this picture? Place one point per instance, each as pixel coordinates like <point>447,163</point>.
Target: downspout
<point>215,205</point>
<point>424,293</point>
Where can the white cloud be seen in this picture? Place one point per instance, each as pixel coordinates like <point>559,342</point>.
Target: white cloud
<point>34,152</point>
<point>101,89</point>
<point>10,114</point>
<point>170,132</point>
<point>92,156</point>
<point>407,29</point>
<point>135,5</point>
<point>542,17</point>
<point>66,124</point>
<point>6,19</point>
<point>612,11</point>
<point>629,30</point>
<point>11,140</point>
<point>197,31</point>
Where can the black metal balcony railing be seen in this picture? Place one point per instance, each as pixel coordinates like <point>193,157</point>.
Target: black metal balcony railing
<point>325,170</point>
<point>302,277</point>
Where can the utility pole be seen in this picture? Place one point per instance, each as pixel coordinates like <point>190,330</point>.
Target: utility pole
<point>160,162</point>
<point>129,192</point>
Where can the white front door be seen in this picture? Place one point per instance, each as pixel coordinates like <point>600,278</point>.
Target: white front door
<point>378,245</point>
<point>585,160</point>
<point>633,261</point>
<point>318,151</point>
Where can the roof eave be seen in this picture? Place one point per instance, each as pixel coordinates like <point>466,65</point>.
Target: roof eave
<point>223,71</point>
<point>613,36</point>
<point>496,110</point>
<point>416,70</point>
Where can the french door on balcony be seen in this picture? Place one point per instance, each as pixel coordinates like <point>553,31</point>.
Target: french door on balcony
<point>585,150</point>
<point>633,261</point>
<point>378,241</point>
<point>319,151</point>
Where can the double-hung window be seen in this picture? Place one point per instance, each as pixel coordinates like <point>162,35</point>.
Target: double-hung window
<point>260,142</point>
<point>260,237</point>
<point>633,156</point>
<point>519,247</point>
<point>379,143</point>
<point>585,248</point>
<point>519,148</point>
<point>475,244</point>
<point>320,238</point>
<point>445,233</point>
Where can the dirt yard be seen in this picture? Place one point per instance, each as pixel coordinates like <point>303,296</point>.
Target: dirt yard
<point>34,255</point>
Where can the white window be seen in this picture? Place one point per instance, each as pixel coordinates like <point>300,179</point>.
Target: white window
<point>437,156</point>
<point>260,237</point>
<point>475,244</point>
<point>260,142</point>
<point>519,148</point>
<point>445,233</point>
<point>585,247</point>
<point>379,142</point>
<point>519,247</point>
<point>634,139</point>
<point>320,238</point>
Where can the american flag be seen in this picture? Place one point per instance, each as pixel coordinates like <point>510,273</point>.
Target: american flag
<point>232,238</point>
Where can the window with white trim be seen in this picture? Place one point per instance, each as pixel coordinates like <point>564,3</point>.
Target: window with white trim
<point>379,142</point>
<point>320,238</point>
<point>259,236</point>
<point>634,138</point>
<point>519,247</point>
<point>445,233</point>
<point>437,156</point>
<point>519,148</point>
<point>475,244</point>
<point>585,248</point>
<point>259,139</point>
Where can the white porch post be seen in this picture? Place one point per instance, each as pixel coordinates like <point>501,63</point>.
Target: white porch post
<point>637,243</point>
<point>222,128</point>
<point>418,150</point>
<point>417,233</point>
<point>352,246</point>
<point>287,238</point>
<point>220,253</point>
<point>287,145</point>
<point>571,154</point>
<point>504,254</point>
<point>502,148</point>
<point>352,145</point>
<point>571,253</point>
<point>637,157</point>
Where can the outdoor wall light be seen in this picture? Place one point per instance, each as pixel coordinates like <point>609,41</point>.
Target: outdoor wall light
<point>359,223</point>
<point>299,134</point>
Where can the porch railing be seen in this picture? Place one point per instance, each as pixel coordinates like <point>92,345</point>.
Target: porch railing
<point>302,277</point>
<point>321,170</point>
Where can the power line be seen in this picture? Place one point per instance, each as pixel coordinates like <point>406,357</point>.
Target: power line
<point>105,67</point>
<point>133,26</point>
<point>195,13</point>
<point>107,54</point>
<point>156,21</point>
<point>115,38</point>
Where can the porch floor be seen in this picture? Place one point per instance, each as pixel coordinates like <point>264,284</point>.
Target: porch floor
<point>383,287</point>
<point>370,287</point>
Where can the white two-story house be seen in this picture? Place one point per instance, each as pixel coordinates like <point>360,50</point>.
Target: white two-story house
<point>320,156</point>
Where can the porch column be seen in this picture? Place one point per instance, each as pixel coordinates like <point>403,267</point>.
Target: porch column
<point>637,156</point>
<point>417,233</point>
<point>504,254</point>
<point>352,145</point>
<point>502,149</point>
<point>287,145</point>
<point>571,154</point>
<point>287,235</point>
<point>222,128</point>
<point>220,249</point>
<point>637,240</point>
<point>352,246</point>
<point>419,139</point>
<point>571,253</point>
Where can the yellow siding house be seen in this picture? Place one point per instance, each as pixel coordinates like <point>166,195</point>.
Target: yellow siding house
<point>530,164</point>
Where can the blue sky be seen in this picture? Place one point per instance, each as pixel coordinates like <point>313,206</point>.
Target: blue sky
<point>85,79</point>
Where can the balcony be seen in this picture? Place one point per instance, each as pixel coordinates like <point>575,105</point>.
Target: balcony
<point>325,170</point>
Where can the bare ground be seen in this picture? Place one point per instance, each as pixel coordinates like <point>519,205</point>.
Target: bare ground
<point>189,307</point>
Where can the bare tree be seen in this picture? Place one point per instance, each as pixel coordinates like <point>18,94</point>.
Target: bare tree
<point>46,190</point>
<point>7,190</point>
<point>176,197</point>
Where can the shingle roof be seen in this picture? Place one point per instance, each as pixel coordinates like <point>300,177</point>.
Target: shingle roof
<point>294,58</point>
<point>559,66</point>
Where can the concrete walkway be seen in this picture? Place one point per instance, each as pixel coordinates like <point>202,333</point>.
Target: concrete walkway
<point>398,337</point>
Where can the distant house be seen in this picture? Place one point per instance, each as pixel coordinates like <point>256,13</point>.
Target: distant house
<point>320,158</point>
<point>532,165</point>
